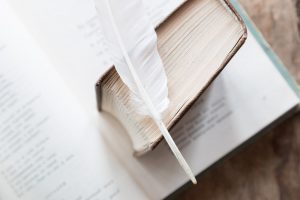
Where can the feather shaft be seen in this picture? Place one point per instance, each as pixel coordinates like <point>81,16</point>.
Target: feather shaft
<point>153,112</point>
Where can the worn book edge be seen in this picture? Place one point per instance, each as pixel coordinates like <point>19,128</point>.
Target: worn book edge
<point>233,51</point>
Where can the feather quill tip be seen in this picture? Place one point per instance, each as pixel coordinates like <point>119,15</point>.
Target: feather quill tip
<point>194,181</point>
<point>189,172</point>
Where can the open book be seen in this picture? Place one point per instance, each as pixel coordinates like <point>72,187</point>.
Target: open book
<point>54,144</point>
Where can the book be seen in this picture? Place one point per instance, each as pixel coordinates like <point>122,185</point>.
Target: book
<point>55,145</point>
<point>195,44</point>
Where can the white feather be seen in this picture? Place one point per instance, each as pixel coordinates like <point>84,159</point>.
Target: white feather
<point>132,42</point>
<point>139,41</point>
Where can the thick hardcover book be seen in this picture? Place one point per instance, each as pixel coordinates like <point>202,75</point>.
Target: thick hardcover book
<point>54,144</point>
<point>195,43</point>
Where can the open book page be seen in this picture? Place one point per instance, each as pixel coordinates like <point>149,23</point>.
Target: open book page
<point>70,33</point>
<point>48,148</point>
<point>230,112</point>
<point>248,95</point>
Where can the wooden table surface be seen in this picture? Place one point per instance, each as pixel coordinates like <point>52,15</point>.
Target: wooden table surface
<point>269,168</point>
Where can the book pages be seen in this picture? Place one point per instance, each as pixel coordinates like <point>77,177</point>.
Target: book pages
<point>49,149</point>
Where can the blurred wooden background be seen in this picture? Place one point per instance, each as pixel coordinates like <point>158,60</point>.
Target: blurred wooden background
<point>270,167</point>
